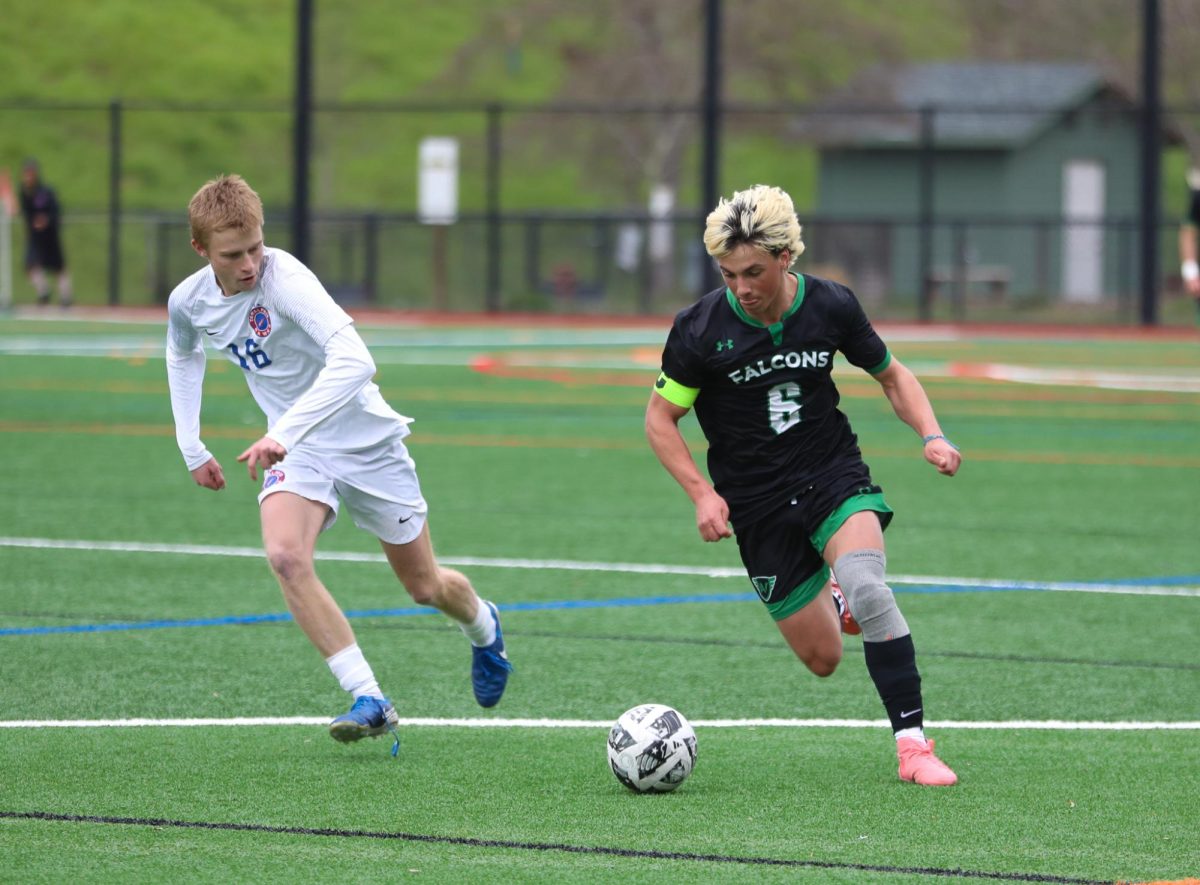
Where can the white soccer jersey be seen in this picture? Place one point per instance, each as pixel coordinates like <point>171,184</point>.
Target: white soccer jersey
<point>306,367</point>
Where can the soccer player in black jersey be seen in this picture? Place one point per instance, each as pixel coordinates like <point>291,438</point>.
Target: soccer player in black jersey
<point>754,359</point>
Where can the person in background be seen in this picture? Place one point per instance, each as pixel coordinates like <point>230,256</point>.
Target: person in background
<point>755,359</point>
<point>1189,240</point>
<point>331,438</point>
<point>43,250</point>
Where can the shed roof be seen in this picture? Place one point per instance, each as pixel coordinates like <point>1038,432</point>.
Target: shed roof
<point>980,104</point>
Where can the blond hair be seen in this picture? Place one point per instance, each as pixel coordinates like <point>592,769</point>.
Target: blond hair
<point>762,216</point>
<point>223,203</point>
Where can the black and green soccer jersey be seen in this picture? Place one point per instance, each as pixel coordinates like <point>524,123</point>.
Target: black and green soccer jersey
<point>764,395</point>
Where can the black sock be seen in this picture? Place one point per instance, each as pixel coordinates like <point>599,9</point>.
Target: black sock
<point>893,669</point>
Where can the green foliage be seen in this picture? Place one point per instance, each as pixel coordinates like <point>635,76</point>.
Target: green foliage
<point>238,63</point>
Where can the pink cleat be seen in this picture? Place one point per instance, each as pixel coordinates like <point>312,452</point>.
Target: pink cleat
<point>849,625</point>
<point>919,765</point>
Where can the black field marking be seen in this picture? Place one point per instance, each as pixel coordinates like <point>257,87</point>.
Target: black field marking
<point>71,617</point>
<point>1086,662</point>
<point>552,846</point>
<point>779,645</point>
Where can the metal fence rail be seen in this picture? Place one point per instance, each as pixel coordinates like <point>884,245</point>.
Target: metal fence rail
<point>630,264</point>
<point>917,256</point>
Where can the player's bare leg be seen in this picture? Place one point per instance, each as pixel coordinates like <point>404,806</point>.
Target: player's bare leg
<point>64,288</point>
<point>428,583</point>
<point>814,634</point>
<point>451,593</point>
<point>290,527</point>
<point>41,286</point>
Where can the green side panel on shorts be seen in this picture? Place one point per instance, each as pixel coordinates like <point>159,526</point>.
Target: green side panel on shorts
<point>852,505</point>
<point>800,596</point>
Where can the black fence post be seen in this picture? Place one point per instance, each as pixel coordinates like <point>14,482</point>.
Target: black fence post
<point>492,234</point>
<point>533,254</point>
<point>302,130</point>
<point>1044,231</point>
<point>710,118</point>
<point>162,259</point>
<point>1151,146</point>
<point>925,215</point>
<point>370,257</point>
<point>114,202</point>
<point>962,271</point>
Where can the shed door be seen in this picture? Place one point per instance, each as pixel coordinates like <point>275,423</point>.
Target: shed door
<point>1083,231</point>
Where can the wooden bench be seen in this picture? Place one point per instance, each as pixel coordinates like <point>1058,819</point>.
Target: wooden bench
<point>994,278</point>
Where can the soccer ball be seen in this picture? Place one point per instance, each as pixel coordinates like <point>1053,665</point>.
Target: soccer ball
<point>652,748</point>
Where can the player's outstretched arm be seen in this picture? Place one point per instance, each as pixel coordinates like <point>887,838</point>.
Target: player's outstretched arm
<point>912,406</point>
<point>662,431</point>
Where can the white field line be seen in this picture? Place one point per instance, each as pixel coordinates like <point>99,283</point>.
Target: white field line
<point>1180,383</point>
<point>577,565</point>
<point>253,721</point>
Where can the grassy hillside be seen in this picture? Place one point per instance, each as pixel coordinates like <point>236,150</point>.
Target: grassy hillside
<point>228,70</point>
<point>205,87</point>
<point>236,60</point>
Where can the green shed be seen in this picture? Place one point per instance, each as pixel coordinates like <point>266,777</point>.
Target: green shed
<point>1030,171</point>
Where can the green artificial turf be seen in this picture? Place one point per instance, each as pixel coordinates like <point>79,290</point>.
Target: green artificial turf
<point>128,593</point>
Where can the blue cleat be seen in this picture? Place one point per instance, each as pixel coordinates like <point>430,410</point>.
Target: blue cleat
<point>490,667</point>
<point>369,717</point>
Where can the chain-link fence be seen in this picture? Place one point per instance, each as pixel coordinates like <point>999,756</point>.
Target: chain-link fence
<point>553,217</point>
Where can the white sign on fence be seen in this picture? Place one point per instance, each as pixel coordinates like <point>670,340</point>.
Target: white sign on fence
<point>437,181</point>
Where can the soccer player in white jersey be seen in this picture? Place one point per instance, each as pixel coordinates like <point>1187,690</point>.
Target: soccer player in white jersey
<point>331,438</point>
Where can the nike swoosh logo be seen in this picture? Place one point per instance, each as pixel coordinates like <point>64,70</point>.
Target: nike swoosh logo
<point>405,519</point>
<point>206,332</point>
<point>905,715</point>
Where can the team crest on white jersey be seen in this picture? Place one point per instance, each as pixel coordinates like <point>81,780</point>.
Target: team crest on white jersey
<point>260,321</point>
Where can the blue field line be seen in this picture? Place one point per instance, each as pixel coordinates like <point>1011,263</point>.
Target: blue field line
<point>234,620</point>
<point>1168,581</point>
<point>160,624</point>
<point>552,605</point>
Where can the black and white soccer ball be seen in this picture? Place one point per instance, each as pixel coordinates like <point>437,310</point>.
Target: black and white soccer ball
<point>652,748</point>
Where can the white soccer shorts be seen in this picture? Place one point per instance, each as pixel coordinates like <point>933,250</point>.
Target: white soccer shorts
<point>378,486</point>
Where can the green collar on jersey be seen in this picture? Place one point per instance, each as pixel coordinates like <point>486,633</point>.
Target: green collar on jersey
<point>776,329</point>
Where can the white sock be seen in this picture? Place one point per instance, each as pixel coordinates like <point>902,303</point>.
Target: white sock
<point>354,673</point>
<point>911,733</point>
<point>482,630</point>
